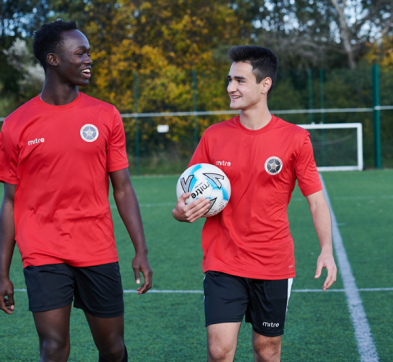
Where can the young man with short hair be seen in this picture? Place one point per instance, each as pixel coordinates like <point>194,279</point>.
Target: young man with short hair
<point>58,152</point>
<point>248,249</point>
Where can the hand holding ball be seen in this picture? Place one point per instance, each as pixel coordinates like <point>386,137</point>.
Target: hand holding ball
<point>208,181</point>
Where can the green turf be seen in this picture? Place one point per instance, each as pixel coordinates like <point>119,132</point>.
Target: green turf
<point>170,327</point>
<point>363,205</point>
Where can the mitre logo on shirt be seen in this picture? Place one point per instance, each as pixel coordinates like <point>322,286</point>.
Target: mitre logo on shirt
<point>273,165</point>
<point>37,140</point>
<point>223,163</point>
<point>89,132</point>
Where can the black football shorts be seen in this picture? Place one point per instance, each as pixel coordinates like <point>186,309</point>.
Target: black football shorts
<point>264,302</point>
<point>97,290</point>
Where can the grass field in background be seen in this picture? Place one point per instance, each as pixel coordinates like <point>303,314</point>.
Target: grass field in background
<point>170,327</point>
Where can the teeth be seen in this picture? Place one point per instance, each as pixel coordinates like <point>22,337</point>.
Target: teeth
<point>86,71</point>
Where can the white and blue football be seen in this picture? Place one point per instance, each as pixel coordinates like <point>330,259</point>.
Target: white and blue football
<point>208,181</point>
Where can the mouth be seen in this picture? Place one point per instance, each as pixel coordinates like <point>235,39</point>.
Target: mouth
<point>86,73</point>
<point>235,97</point>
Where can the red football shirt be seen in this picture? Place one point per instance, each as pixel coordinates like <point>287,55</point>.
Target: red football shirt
<point>59,158</point>
<point>250,237</point>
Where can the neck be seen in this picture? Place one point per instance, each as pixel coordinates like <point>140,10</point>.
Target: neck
<point>256,117</point>
<point>58,94</point>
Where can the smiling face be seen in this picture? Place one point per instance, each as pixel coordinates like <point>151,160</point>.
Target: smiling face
<point>243,89</point>
<point>72,61</point>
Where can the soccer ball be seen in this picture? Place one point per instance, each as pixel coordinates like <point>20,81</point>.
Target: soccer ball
<point>208,181</point>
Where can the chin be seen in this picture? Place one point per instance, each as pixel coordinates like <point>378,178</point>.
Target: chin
<point>82,84</point>
<point>234,106</point>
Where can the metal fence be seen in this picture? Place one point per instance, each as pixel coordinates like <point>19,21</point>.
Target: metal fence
<point>186,102</point>
<point>361,96</point>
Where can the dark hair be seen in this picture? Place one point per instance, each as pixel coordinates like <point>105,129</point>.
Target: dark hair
<point>48,39</point>
<point>264,62</point>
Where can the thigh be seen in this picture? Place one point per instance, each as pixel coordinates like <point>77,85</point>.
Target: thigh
<point>107,332</point>
<point>222,341</point>
<point>226,298</point>
<point>49,286</point>
<point>99,291</point>
<point>268,305</point>
<point>53,328</point>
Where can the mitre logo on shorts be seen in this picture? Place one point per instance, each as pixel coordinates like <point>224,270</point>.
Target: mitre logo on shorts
<point>270,324</point>
<point>89,132</point>
<point>273,165</point>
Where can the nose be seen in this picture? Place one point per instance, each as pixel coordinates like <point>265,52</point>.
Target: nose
<point>88,60</point>
<point>231,87</point>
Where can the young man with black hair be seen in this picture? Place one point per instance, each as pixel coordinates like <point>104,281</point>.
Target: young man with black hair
<point>58,152</point>
<point>248,249</point>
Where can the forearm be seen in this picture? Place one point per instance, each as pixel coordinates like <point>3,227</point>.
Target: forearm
<point>128,207</point>
<point>7,237</point>
<point>323,224</point>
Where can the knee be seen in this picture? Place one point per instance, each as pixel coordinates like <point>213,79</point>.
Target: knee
<point>112,352</point>
<point>218,352</point>
<point>267,353</point>
<point>55,349</point>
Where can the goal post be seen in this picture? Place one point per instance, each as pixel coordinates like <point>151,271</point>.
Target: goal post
<point>337,146</point>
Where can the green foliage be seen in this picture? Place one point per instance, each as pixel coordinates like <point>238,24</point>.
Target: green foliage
<point>162,41</point>
<point>18,19</point>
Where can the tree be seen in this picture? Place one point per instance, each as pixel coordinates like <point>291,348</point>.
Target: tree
<point>307,33</point>
<point>18,19</point>
<point>22,60</point>
<point>360,22</point>
<point>382,52</point>
<point>161,40</point>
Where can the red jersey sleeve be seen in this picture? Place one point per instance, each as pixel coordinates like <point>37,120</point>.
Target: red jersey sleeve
<point>117,154</point>
<point>306,169</point>
<point>201,154</point>
<point>8,157</point>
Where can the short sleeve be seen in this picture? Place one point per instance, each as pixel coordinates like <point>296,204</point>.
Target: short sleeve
<point>201,154</point>
<point>306,170</point>
<point>117,154</point>
<point>8,157</point>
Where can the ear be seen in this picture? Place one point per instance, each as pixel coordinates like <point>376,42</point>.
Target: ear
<point>52,59</point>
<point>265,85</point>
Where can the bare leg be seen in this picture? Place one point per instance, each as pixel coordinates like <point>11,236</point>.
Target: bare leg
<point>108,335</point>
<point>266,349</point>
<point>53,328</point>
<point>222,341</point>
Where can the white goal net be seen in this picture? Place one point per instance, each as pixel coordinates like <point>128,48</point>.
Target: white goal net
<point>337,147</point>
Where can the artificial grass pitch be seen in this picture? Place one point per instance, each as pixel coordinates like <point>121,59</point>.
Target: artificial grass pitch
<point>170,327</point>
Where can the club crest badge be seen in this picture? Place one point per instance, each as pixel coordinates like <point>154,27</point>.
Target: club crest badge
<point>273,165</point>
<point>89,132</point>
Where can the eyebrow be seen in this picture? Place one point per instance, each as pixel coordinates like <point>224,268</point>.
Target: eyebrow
<point>83,47</point>
<point>236,77</point>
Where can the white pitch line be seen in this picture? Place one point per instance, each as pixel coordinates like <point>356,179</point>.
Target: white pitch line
<point>374,289</point>
<point>363,335</point>
<point>201,291</point>
<point>302,199</point>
